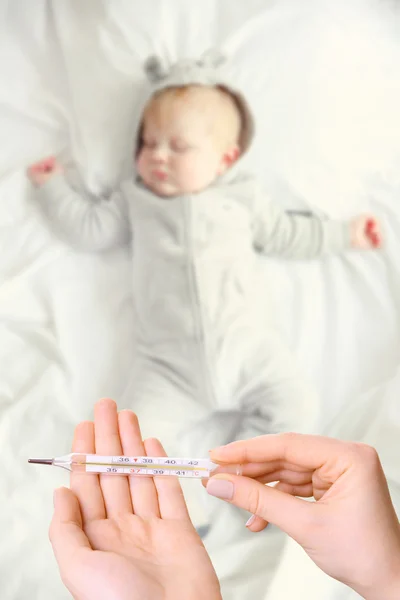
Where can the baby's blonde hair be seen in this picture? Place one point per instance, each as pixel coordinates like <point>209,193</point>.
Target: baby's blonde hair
<point>215,103</point>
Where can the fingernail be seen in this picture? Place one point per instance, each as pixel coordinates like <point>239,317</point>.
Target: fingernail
<point>251,520</point>
<point>220,488</point>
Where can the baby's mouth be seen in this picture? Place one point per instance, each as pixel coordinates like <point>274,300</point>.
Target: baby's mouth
<point>160,175</point>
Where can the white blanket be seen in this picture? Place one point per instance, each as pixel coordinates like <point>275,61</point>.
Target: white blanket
<point>323,80</point>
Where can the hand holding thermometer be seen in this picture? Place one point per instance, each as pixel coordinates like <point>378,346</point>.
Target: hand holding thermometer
<point>196,468</point>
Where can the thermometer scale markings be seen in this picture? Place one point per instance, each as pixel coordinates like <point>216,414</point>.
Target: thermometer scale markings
<point>147,466</point>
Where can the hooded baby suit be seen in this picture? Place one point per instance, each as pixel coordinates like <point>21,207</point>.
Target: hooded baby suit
<point>205,372</point>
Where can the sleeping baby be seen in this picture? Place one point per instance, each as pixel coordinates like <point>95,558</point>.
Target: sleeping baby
<point>205,371</point>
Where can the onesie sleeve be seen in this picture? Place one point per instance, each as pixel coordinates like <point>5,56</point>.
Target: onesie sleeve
<point>277,232</point>
<point>86,222</point>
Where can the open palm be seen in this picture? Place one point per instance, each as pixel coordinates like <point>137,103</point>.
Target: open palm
<point>121,538</point>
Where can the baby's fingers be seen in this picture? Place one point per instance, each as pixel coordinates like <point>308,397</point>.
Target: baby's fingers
<point>46,164</point>
<point>40,172</point>
<point>373,232</point>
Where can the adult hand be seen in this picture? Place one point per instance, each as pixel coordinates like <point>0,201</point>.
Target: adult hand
<point>351,532</point>
<point>127,538</point>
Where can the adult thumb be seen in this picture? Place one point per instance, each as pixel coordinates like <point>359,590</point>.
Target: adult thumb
<point>66,534</point>
<point>290,514</point>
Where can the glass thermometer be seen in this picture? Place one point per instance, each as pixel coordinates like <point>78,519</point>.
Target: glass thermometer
<point>196,468</point>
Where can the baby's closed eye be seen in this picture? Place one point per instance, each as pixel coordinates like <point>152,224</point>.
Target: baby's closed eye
<point>180,146</point>
<point>149,143</point>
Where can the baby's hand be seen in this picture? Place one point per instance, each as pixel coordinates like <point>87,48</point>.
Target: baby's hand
<point>40,172</point>
<point>366,233</point>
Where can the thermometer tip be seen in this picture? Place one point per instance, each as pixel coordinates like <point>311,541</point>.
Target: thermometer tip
<point>41,461</point>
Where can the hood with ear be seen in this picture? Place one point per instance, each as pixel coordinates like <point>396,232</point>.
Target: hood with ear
<point>209,70</point>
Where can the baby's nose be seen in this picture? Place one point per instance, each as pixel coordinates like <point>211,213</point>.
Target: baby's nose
<point>160,155</point>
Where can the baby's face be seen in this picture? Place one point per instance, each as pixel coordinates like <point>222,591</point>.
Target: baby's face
<point>180,153</point>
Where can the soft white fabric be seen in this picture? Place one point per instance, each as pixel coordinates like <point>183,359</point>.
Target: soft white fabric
<point>323,80</point>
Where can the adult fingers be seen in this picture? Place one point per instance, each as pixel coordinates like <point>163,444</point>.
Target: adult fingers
<point>257,523</point>
<point>170,496</point>
<point>143,491</point>
<point>303,491</point>
<point>66,533</point>
<point>86,486</point>
<point>309,452</point>
<point>290,514</point>
<point>288,476</point>
<point>115,488</point>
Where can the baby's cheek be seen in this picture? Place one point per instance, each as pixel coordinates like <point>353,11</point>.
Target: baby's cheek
<point>197,169</point>
<point>183,168</point>
<point>141,163</point>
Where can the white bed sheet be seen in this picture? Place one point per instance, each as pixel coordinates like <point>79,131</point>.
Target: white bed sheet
<point>322,78</point>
